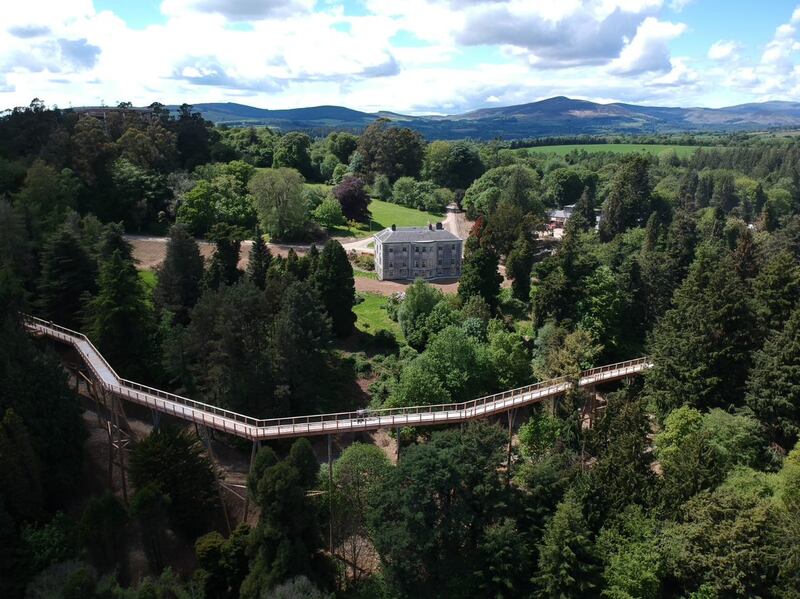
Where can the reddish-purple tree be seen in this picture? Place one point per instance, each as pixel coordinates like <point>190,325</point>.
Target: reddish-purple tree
<point>353,198</point>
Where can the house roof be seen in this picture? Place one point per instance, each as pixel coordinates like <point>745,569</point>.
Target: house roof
<point>414,234</point>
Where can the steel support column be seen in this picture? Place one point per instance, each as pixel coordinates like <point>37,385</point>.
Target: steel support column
<point>330,494</point>
<point>247,490</point>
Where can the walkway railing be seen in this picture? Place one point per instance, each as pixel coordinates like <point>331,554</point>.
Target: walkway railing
<point>297,426</point>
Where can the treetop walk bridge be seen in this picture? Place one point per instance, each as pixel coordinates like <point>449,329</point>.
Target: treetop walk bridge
<point>255,429</point>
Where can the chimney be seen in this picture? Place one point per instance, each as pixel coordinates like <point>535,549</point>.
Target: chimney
<point>438,226</point>
<point>394,227</point>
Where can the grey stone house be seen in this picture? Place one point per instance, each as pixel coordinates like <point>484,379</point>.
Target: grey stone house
<point>410,252</point>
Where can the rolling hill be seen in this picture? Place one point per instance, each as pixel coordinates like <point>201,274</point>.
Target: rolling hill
<point>558,116</point>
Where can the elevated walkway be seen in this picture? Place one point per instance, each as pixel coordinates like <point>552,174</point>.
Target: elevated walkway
<point>255,429</point>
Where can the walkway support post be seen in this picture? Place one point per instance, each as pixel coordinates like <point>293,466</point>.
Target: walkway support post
<point>397,434</point>
<point>512,414</point>
<point>330,494</point>
<point>249,474</point>
<point>206,438</point>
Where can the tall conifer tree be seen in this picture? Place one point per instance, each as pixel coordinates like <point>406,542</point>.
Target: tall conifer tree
<point>335,285</point>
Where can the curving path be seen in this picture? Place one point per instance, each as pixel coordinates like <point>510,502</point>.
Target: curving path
<point>255,429</point>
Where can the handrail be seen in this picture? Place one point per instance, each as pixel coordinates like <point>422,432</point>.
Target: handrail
<point>250,427</point>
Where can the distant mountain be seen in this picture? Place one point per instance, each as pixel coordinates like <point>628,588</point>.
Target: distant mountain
<point>559,116</point>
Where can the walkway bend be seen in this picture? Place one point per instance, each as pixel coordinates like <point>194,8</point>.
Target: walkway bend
<point>256,429</point>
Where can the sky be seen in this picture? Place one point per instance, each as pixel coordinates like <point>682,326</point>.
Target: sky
<point>409,56</point>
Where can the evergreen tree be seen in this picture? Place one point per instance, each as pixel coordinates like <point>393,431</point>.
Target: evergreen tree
<point>776,290</point>
<point>180,275</point>
<point>585,207</point>
<point>149,506</point>
<point>286,541</point>
<point>68,273</point>
<point>688,189</point>
<point>628,201</point>
<point>313,258</point>
<point>479,276</point>
<point>744,256</point>
<point>300,342</point>
<point>335,285</point>
<point>260,258</point>
<point>622,474</point>
<point>701,348</point>
<point>119,319</point>
<point>433,517</point>
<point>175,463</point>
<point>34,385</point>
<point>223,562</point>
<point>224,267</point>
<point>567,563</point>
<point>114,239</point>
<point>20,470</point>
<point>102,530</point>
<point>773,389</point>
<point>302,457</point>
<point>519,264</point>
<point>226,348</point>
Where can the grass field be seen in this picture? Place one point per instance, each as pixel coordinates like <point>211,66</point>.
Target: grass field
<point>365,274</point>
<point>681,151</point>
<point>371,315</point>
<point>149,278</point>
<point>385,214</point>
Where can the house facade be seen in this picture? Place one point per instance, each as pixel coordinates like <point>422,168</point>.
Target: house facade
<point>410,252</point>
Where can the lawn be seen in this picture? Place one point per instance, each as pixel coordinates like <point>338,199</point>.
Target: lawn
<point>365,274</point>
<point>681,151</point>
<point>149,278</point>
<point>386,214</point>
<point>371,315</point>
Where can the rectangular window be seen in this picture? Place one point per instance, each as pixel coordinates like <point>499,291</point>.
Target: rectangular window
<point>440,261</point>
<point>391,250</point>
<point>416,264</point>
<point>404,250</point>
<point>452,246</point>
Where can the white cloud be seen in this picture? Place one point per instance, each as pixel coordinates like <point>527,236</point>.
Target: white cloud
<point>648,51</point>
<point>239,10</point>
<point>557,34</point>
<point>456,55</point>
<point>723,50</point>
<point>679,5</point>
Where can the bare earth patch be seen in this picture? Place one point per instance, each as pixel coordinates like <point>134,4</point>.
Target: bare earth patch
<point>149,252</point>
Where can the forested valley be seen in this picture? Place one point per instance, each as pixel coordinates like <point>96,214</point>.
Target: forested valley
<point>683,482</point>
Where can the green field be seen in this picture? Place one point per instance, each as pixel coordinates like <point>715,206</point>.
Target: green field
<point>365,274</point>
<point>371,315</point>
<point>149,279</point>
<point>385,214</point>
<point>681,151</point>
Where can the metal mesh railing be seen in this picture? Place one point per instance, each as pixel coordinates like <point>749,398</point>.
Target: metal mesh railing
<point>249,427</point>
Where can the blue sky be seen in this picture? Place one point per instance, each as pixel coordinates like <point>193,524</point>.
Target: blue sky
<point>414,56</point>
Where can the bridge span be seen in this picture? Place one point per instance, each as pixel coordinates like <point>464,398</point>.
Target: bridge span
<point>255,429</point>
